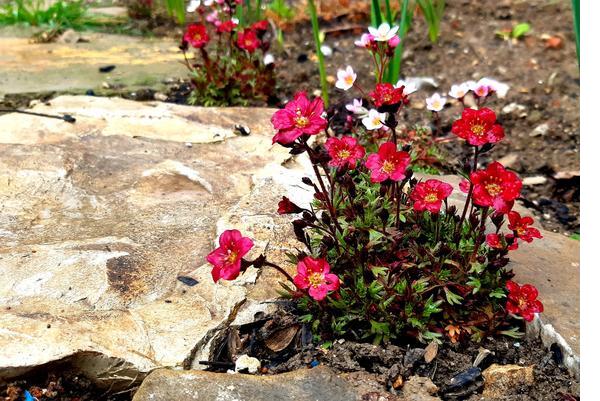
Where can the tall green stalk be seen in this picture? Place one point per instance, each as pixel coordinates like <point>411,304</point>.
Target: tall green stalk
<point>393,71</point>
<point>176,8</point>
<point>376,18</point>
<point>575,4</point>
<point>322,73</point>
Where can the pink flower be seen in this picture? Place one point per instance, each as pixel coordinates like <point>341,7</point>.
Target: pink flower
<point>300,116</point>
<point>494,186</point>
<point>365,40</point>
<point>227,26</point>
<point>344,151</point>
<point>394,41</point>
<point>227,258</point>
<point>314,275</point>
<point>387,163</point>
<point>429,195</point>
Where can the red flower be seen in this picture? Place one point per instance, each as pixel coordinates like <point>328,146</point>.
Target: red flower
<point>196,35</point>
<point>248,40</point>
<point>227,258</point>
<point>314,275</point>
<point>386,94</point>
<point>478,127</point>
<point>286,206</point>
<point>261,25</point>
<point>300,116</point>
<point>344,151</point>
<point>494,186</point>
<point>388,162</point>
<point>494,241</point>
<point>520,226</point>
<point>522,300</point>
<point>226,26</point>
<point>429,195</point>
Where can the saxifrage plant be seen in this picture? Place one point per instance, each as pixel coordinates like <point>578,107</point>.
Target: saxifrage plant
<point>386,256</point>
<point>231,66</point>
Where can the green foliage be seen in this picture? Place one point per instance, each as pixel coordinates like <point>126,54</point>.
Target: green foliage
<point>575,4</point>
<point>176,9</point>
<point>60,14</point>
<point>433,11</point>
<point>517,32</point>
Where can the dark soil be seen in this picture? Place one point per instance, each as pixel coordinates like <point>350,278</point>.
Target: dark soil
<point>283,345</point>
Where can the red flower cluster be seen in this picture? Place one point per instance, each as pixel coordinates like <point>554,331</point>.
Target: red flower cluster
<point>248,40</point>
<point>386,95</point>
<point>388,162</point>
<point>429,195</point>
<point>300,116</point>
<point>196,35</point>
<point>314,275</point>
<point>344,151</point>
<point>227,258</point>
<point>494,186</point>
<point>478,127</point>
<point>522,300</point>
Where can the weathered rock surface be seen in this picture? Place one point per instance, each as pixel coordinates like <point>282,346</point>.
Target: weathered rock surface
<point>504,380</point>
<point>100,217</point>
<point>73,67</point>
<point>302,385</point>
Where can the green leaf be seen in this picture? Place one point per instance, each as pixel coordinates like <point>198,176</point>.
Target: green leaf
<point>498,293</point>
<point>520,30</point>
<point>514,333</point>
<point>452,298</point>
<point>431,307</point>
<point>475,283</point>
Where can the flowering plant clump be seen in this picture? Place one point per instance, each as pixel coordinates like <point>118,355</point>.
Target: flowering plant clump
<point>386,255</point>
<point>230,64</point>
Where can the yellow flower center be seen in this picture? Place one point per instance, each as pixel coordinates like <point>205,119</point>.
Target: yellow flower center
<point>493,189</point>
<point>231,256</point>
<point>387,167</point>
<point>316,279</point>
<point>431,197</point>
<point>478,129</point>
<point>343,154</point>
<point>521,230</point>
<point>349,79</point>
<point>301,121</point>
<point>436,104</point>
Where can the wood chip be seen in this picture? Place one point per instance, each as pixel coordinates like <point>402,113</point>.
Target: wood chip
<point>431,351</point>
<point>280,339</point>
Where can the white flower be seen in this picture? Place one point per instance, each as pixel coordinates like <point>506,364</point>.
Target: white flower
<point>459,91</point>
<point>435,102</point>
<point>500,88</point>
<point>374,120</point>
<point>269,59</point>
<point>208,3</point>
<point>345,79</point>
<point>409,87</point>
<point>193,6</point>
<point>384,32</point>
<point>235,21</point>
<point>481,88</point>
<point>357,108</point>
<point>365,40</point>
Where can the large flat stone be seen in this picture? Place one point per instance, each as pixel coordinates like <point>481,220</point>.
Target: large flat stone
<point>73,67</point>
<point>302,385</point>
<point>100,217</point>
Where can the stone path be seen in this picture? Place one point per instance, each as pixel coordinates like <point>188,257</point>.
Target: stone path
<point>73,67</point>
<point>99,218</point>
